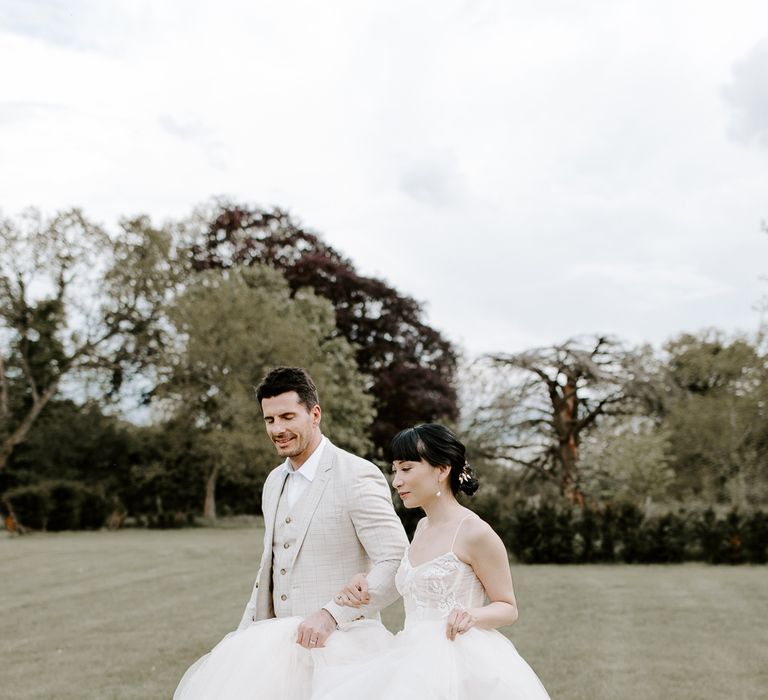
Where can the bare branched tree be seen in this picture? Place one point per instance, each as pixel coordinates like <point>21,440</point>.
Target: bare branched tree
<point>73,300</point>
<point>534,407</point>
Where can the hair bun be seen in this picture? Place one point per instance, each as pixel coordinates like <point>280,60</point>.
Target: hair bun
<point>468,482</point>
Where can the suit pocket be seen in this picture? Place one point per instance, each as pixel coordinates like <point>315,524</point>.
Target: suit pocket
<point>335,514</point>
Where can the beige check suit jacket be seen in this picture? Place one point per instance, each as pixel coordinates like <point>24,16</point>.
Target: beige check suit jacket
<point>346,524</point>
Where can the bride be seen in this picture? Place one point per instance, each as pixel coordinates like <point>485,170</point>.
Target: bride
<point>450,648</point>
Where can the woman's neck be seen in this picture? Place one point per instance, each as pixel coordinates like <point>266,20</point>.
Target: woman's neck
<point>442,509</point>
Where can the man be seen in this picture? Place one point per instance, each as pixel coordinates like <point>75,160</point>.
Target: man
<point>327,516</point>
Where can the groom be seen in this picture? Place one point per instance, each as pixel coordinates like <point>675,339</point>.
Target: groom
<point>327,516</point>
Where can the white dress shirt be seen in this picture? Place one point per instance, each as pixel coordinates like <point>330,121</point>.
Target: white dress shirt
<point>298,480</point>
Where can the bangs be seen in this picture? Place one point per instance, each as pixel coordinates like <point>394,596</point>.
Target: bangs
<point>407,446</point>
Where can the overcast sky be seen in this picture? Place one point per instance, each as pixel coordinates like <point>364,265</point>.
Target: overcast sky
<point>530,171</point>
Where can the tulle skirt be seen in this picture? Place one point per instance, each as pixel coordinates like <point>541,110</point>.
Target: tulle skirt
<point>422,664</point>
<point>264,661</point>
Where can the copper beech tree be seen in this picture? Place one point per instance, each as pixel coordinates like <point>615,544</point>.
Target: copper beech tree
<point>538,404</point>
<point>412,365</point>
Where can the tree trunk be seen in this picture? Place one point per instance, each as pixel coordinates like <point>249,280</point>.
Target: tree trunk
<point>12,523</point>
<point>209,506</point>
<point>18,435</point>
<point>4,411</point>
<point>569,455</point>
<point>569,444</point>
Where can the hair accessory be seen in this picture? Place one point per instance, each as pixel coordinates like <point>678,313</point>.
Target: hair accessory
<point>466,473</point>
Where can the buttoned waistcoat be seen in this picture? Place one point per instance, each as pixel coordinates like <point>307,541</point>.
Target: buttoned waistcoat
<point>344,524</point>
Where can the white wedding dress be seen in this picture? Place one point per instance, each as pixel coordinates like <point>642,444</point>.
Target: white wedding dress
<point>422,663</point>
<point>366,662</point>
<point>263,661</point>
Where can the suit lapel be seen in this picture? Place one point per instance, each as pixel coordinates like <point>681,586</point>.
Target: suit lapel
<point>308,505</point>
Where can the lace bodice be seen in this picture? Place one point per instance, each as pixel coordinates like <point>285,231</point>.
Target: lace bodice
<point>434,588</point>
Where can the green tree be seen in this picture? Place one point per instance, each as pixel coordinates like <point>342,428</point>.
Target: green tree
<point>73,442</point>
<point>716,414</point>
<point>75,303</point>
<point>629,461</point>
<point>232,326</point>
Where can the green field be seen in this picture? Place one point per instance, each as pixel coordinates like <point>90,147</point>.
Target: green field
<point>121,615</point>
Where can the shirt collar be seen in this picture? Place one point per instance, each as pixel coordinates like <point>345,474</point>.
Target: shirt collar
<point>309,468</point>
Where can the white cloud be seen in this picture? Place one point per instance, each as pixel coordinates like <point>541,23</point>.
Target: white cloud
<point>747,93</point>
<point>531,172</point>
<point>649,285</point>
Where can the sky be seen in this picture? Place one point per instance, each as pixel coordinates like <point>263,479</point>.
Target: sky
<point>529,171</point>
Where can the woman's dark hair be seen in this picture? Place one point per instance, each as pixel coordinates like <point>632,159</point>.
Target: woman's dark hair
<point>438,446</point>
<point>283,379</point>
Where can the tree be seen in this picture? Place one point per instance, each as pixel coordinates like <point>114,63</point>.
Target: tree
<point>716,412</point>
<point>73,442</point>
<point>411,365</point>
<point>75,302</point>
<point>628,461</point>
<point>532,409</point>
<point>232,326</point>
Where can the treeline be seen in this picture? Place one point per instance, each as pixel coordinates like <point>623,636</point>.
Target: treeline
<point>186,318</point>
<point>183,319</point>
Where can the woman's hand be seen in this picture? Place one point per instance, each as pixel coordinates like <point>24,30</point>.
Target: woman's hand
<point>459,621</point>
<point>355,593</point>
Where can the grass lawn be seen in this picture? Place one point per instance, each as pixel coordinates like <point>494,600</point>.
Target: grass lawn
<point>102,615</point>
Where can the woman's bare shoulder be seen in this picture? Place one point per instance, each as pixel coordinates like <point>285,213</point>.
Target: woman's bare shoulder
<point>476,532</point>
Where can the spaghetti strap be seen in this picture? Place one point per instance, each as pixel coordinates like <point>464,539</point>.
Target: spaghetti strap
<point>458,527</point>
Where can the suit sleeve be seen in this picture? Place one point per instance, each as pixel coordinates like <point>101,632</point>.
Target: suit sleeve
<point>382,535</point>
<point>250,607</point>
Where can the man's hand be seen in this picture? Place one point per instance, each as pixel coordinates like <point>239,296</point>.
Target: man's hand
<point>355,593</point>
<point>315,630</point>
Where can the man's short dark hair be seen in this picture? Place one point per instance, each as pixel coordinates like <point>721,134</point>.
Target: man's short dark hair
<point>283,379</point>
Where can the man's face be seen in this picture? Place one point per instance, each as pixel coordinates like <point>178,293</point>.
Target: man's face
<point>293,429</point>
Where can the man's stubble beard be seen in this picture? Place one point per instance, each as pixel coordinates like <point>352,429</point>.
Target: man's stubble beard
<point>294,451</point>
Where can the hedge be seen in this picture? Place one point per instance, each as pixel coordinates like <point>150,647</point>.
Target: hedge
<point>58,505</point>
<point>550,534</point>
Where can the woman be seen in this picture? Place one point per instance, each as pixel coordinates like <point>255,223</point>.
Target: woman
<point>450,648</point>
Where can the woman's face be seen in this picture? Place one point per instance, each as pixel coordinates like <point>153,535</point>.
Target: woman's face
<point>417,482</point>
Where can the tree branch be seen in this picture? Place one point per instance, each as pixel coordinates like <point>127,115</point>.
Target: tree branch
<point>21,431</point>
<point>30,378</point>
<point>534,465</point>
<point>598,410</point>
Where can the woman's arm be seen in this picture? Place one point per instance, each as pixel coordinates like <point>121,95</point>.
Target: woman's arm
<point>480,547</point>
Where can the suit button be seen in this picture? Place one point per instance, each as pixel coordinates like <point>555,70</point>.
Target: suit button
<point>283,597</point>
<point>282,571</point>
<point>288,519</point>
<point>257,584</point>
<point>286,545</point>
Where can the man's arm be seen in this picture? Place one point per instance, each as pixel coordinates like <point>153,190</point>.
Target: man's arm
<point>250,607</point>
<point>382,535</point>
